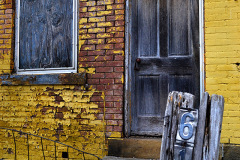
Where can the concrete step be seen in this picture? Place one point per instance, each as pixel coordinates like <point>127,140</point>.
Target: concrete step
<point>141,148</point>
<point>121,158</point>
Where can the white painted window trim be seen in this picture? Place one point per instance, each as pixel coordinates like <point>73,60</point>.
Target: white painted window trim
<point>48,70</point>
<point>201,47</point>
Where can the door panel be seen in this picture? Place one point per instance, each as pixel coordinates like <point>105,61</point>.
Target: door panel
<point>148,95</point>
<point>148,20</point>
<point>178,27</point>
<point>164,57</point>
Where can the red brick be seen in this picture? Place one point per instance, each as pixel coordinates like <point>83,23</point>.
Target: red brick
<point>96,41</point>
<point>88,47</point>
<point>105,13</point>
<point>96,64</point>
<point>117,104</point>
<point>115,40</point>
<point>120,122</point>
<point>99,52</point>
<point>109,116</point>
<point>114,110</point>
<point>105,2</point>
<point>104,58</point>
<point>114,87</point>
<point>113,98</point>
<point>100,87</point>
<point>118,57</point>
<point>96,75</point>
<point>93,81</point>
<point>118,92</point>
<point>82,9</point>
<point>96,8</point>
<point>118,116</point>
<point>119,12</point>
<point>109,93</point>
<point>109,104</point>
<point>118,69</point>
<point>113,75</point>
<point>109,128</point>
<point>87,36</point>
<point>8,11</point>
<point>6,16</point>
<point>88,25</point>
<point>119,34</point>
<point>115,29</point>
<point>112,122</point>
<point>83,53</point>
<point>105,46</point>
<point>97,94</point>
<point>118,81</point>
<point>119,23</point>
<point>115,18</point>
<point>89,3</point>
<point>115,51</point>
<point>104,69</point>
<point>119,1</point>
<point>115,63</point>
<point>107,81</point>
<point>117,128</point>
<point>87,14</point>
<point>87,58</point>
<point>8,6</point>
<point>96,99</point>
<point>100,116</point>
<point>115,6</point>
<point>82,31</point>
<point>119,46</point>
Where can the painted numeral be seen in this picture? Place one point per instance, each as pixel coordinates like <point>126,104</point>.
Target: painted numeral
<point>184,124</point>
<point>182,154</point>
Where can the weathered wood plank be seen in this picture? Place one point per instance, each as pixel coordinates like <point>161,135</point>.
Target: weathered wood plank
<point>167,128</point>
<point>69,78</point>
<point>201,127</point>
<point>176,100</point>
<point>216,112</point>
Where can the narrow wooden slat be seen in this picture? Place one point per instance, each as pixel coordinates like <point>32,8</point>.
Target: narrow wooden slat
<point>175,111</point>
<point>217,106</point>
<point>201,127</point>
<point>166,128</point>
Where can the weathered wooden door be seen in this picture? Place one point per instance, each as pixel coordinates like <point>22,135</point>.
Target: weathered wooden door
<point>164,49</point>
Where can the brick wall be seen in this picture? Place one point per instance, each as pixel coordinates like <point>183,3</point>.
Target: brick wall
<point>102,49</point>
<point>6,35</point>
<point>222,44</point>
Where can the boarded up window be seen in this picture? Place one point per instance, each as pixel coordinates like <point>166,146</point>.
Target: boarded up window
<point>46,35</point>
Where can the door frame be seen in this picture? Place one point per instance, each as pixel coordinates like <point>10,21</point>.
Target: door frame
<point>127,87</point>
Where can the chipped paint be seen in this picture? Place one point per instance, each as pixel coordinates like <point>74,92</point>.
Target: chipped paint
<point>60,113</point>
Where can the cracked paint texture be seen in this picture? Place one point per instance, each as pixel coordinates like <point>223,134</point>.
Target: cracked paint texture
<point>61,113</point>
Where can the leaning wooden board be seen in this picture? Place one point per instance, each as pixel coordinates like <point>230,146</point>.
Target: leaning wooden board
<point>187,128</point>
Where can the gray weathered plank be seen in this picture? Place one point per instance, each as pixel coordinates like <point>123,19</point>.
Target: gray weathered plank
<point>216,112</point>
<point>167,127</point>
<point>201,127</point>
<point>176,100</point>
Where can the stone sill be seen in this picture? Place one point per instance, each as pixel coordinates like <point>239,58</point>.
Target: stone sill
<point>45,79</point>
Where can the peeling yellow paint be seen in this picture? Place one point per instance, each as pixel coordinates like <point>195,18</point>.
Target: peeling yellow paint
<point>122,79</point>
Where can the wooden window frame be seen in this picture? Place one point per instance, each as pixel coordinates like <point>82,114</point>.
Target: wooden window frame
<point>47,70</point>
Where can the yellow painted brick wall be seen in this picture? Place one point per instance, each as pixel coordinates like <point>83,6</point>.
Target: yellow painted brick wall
<point>65,113</point>
<point>222,46</point>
